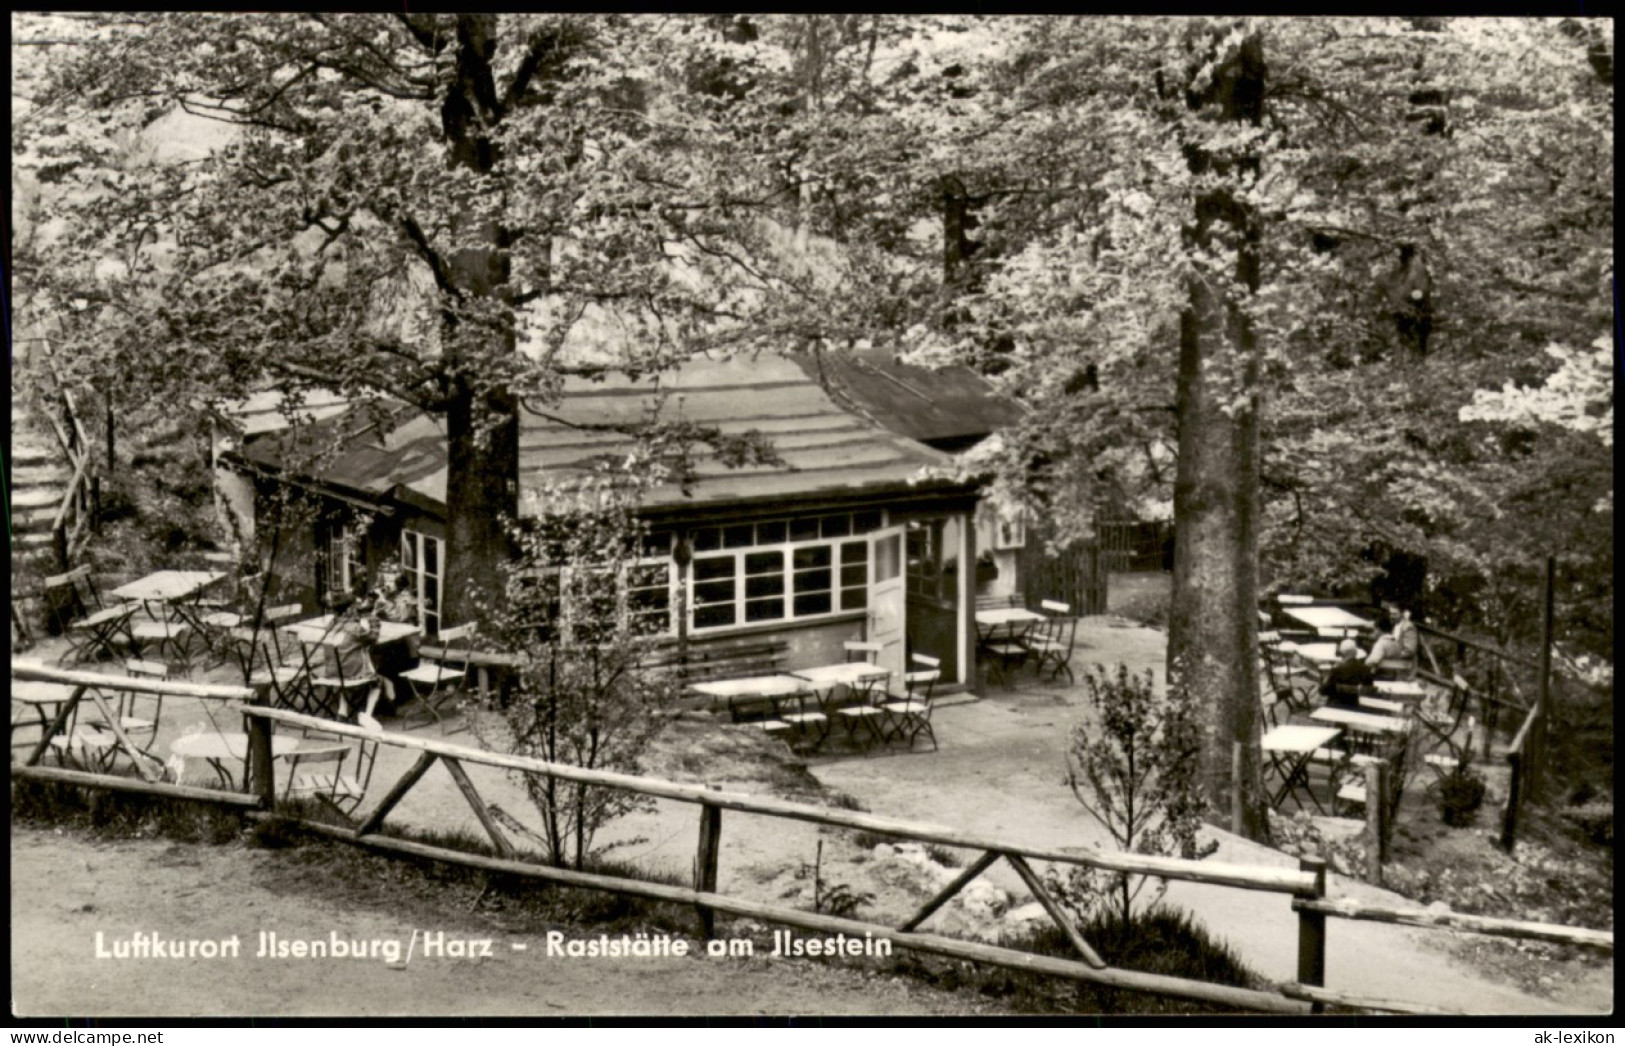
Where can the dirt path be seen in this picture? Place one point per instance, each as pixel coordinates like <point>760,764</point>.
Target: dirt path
<point>68,888</point>
<point>999,771</point>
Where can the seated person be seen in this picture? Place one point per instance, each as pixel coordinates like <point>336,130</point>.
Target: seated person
<point>1399,645</point>
<point>1343,683</point>
<point>395,601</point>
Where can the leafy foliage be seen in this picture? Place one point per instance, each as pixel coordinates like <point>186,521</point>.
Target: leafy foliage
<point>581,695</point>
<point>452,208</point>
<point>1141,762</point>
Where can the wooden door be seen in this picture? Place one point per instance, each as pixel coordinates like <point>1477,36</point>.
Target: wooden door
<point>888,600</point>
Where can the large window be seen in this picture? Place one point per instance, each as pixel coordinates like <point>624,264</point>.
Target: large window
<point>423,558</point>
<point>752,573</point>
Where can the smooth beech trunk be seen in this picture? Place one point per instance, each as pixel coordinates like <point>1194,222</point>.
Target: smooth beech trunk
<point>1213,631</point>
<point>482,466</point>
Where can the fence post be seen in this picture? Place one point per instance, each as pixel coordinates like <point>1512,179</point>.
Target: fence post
<point>1509,821</point>
<point>263,776</point>
<point>1235,788</point>
<point>1376,807</point>
<point>1312,932</point>
<point>705,864</point>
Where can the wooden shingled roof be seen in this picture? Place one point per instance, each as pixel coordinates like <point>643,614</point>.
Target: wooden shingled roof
<point>384,457</point>
<point>947,407</point>
<point>827,450</point>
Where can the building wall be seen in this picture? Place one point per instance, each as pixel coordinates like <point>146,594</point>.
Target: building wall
<point>811,643</point>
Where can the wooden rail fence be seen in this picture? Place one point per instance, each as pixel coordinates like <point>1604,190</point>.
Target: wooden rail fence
<point>1305,885</point>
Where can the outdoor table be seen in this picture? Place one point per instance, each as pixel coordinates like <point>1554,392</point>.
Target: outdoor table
<point>168,586</point>
<point>1289,749</point>
<point>1360,722</point>
<point>1370,728</point>
<point>106,736</point>
<point>1001,633</point>
<point>861,678</point>
<point>1383,705</point>
<point>216,748</point>
<point>1327,617</point>
<point>857,675</point>
<point>44,700</point>
<point>321,631</point>
<point>754,690</point>
<point>1400,690</point>
<point>172,588</point>
<point>823,680</point>
<point>1013,621</point>
<point>1320,655</point>
<point>325,632</point>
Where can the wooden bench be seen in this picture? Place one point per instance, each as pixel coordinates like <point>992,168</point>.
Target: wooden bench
<point>703,664</point>
<point>707,664</point>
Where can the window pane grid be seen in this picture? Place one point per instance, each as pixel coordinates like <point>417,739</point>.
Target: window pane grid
<point>809,575</point>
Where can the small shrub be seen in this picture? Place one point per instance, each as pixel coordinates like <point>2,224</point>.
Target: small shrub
<point>843,801</point>
<point>276,833</point>
<point>864,839</point>
<point>833,898</point>
<point>1157,940</point>
<point>1460,796</point>
<point>123,814</point>
<point>1139,760</point>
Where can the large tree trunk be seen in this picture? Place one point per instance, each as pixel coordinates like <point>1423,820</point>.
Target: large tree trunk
<point>482,466</point>
<point>1213,630</point>
<point>477,546</point>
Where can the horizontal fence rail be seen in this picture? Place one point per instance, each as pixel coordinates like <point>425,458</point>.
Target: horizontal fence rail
<point>94,688</point>
<point>1479,924</point>
<point>1275,880</point>
<point>1306,884</point>
<point>41,672</point>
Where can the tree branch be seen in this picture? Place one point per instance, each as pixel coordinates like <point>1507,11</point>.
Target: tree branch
<point>431,257</point>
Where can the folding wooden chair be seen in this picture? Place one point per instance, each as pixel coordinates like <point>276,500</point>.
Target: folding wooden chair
<point>282,668</point>
<point>863,708</point>
<point>437,681</point>
<point>335,771</point>
<point>1052,642</point>
<point>1293,683</point>
<point>912,715</point>
<point>69,597</point>
<point>92,634</point>
<point>156,629</point>
<point>1008,648</point>
<point>339,675</point>
<point>140,713</point>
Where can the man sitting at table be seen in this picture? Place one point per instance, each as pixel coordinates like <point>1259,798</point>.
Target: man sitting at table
<point>1342,685</point>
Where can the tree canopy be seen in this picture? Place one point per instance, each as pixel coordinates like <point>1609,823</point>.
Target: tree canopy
<point>1393,238</point>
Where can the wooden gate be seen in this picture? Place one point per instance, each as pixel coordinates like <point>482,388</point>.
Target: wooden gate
<point>1074,575</point>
